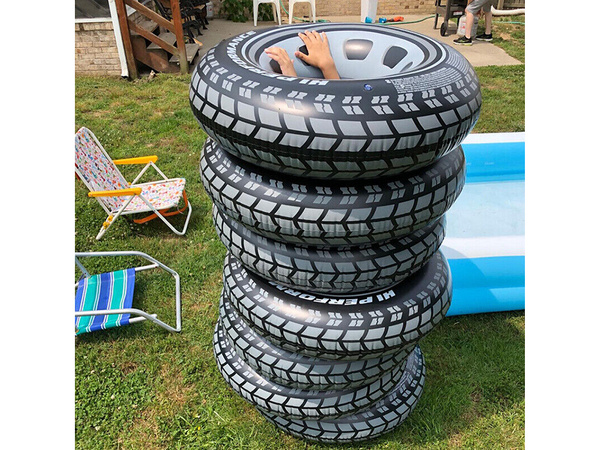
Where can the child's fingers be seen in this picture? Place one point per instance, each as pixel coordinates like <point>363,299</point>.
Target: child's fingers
<point>310,36</point>
<point>324,37</point>
<point>277,53</point>
<point>274,55</point>
<point>304,38</point>
<point>301,56</point>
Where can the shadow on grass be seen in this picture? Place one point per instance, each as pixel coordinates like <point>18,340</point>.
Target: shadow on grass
<point>473,397</point>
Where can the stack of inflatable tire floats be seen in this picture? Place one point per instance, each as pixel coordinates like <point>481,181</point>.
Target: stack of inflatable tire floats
<point>329,196</point>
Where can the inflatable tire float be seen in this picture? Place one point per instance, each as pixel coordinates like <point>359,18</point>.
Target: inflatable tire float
<point>296,370</point>
<point>404,100</point>
<point>348,328</point>
<point>293,211</point>
<point>296,403</point>
<point>381,418</point>
<point>335,270</point>
<point>329,196</point>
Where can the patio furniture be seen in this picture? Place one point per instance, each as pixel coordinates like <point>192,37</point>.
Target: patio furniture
<point>196,8</point>
<point>276,10</point>
<point>193,15</point>
<point>105,300</point>
<point>449,9</point>
<point>312,7</point>
<point>118,197</point>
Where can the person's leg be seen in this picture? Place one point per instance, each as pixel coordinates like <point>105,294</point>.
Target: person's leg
<point>471,9</point>
<point>487,35</point>
<point>469,25</point>
<point>488,22</point>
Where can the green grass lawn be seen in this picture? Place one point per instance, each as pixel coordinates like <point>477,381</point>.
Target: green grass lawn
<point>509,34</point>
<point>141,387</point>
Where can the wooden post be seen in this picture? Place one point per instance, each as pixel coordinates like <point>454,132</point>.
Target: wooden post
<point>124,25</point>
<point>500,4</point>
<point>176,12</point>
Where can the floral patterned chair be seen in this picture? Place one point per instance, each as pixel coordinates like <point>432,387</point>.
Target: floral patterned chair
<point>118,197</point>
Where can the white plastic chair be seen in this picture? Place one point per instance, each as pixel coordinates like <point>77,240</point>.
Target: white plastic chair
<point>118,197</point>
<point>312,7</point>
<point>276,10</point>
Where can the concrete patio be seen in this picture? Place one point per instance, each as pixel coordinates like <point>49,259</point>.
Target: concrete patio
<point>479,54</point>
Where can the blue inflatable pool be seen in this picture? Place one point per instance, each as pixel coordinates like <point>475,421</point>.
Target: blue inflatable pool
<point>485,236</point>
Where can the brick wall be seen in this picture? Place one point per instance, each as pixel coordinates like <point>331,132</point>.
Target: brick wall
<point>352,7</point>
<point>96,49</point>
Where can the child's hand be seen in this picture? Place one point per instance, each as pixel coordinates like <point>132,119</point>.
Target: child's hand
<point>318,53</point>
<point>281,56</point>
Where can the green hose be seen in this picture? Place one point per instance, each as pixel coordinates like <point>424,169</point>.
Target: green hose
<point>429,17</point>
<point>404,23</point>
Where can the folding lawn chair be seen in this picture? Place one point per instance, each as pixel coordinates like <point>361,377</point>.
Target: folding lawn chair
<point>118,197</point>
<point>105,300</point>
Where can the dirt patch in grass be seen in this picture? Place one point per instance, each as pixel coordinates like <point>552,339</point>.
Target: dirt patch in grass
<point>473,411</point>
<point>199,307</point>
<point>174,392</point>
<point>476,400</point>
<point>170,141</point>
<point>455,441</point>
<point>144,433</point>
<point>171,395</point>
<point>127,367</point>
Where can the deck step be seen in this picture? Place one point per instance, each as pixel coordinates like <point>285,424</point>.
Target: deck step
<point>167,36</point>
<point>146,24</point>
<point>190,50</point>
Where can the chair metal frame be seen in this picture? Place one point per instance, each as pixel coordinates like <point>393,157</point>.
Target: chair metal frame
<point>141,314</point>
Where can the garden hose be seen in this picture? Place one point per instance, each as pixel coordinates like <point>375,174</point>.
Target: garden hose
<point>429,17</point>
<point>404,23</point>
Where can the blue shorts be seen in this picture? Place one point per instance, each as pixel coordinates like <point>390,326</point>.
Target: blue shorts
<point>476,5</point>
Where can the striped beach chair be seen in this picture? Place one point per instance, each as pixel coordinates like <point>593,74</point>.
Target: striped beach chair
<point>99,173</point>
<point>105,300</point>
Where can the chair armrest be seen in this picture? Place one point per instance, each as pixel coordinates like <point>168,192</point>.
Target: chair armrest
<point>116,193</point>
<point>138,160</point>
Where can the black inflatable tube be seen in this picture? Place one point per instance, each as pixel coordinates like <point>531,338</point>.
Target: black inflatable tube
<point>296,403</point>
<point>401,118</point>
<point>381,418</point>
<point>353,327</point>
<point>300,371</point>
<point>336,270</point>
<point>330,214</point>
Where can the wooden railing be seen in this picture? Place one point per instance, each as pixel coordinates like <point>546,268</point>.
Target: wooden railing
<point>174,27</point>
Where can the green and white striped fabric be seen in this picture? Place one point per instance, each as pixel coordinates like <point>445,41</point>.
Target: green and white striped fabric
<point>113,290</point>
